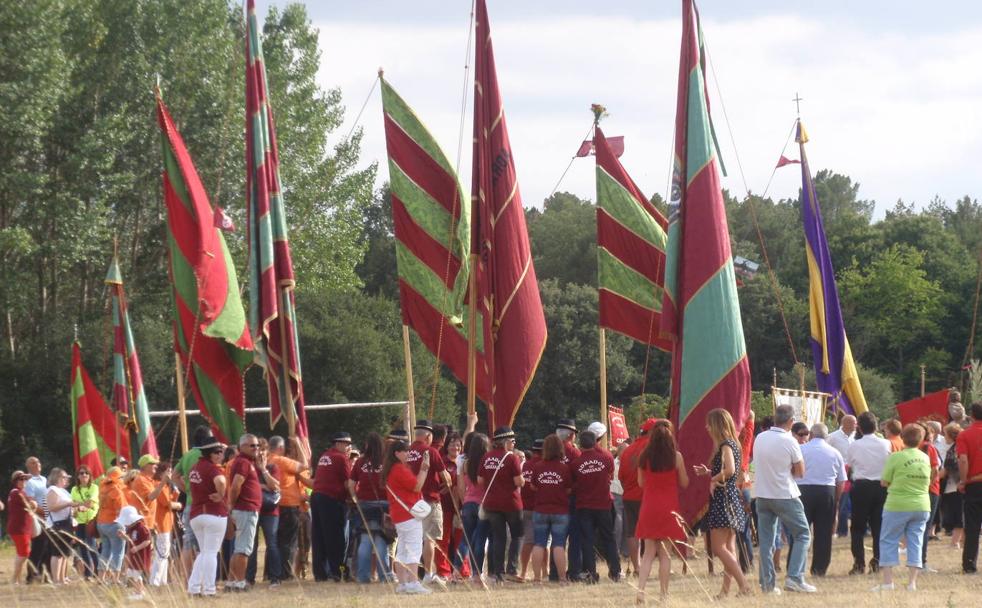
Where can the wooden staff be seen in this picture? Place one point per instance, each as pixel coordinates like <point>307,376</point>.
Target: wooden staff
<point>603,386</point>
<point>923,368</point>
<point>410,417</point>
<point>182,421</point>
<point>472,335</point>
<point>287,409</point>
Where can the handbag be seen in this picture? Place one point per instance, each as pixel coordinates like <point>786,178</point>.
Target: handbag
<point>270,499</point>
<point>420,510</point>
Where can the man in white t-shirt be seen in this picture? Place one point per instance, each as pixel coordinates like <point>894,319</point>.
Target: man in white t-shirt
<point>777,462</point>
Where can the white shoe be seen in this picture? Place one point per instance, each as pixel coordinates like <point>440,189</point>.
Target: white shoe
<point>417,588</point>
<point>912,587</point>
<point>401,587</point>
<point>883,587</point>
<point>774,591</point>
<point>802,587</point>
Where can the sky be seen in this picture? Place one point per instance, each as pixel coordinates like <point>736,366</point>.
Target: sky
<point>892,91</point>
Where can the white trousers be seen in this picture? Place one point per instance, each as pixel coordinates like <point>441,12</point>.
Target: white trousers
<point>209,530</point>
<point>161,559</point>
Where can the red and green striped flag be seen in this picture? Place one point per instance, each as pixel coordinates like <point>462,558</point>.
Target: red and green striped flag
<point>95,430</point>
<point>210,329</point>
<point>431,215</point>
<point>272,308</point>
<point>127,377</point>
<point>630,252</point>
<point>514,325</point>
<point>700,313</point>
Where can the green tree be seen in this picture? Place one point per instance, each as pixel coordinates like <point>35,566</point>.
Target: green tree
<point>564,240</point>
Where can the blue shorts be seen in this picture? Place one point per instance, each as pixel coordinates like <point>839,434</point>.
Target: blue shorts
<point>555,525</point>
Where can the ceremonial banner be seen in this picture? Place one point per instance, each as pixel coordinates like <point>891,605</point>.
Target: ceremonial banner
<point>95,430</point>
<point>933,406</point>
<point>835,371</point>
<point>272,308</point>
<point>700,313</point>
<point>617,425</point>
<point>809,407</point>
<point>210,328</point>
<point>508,294</point>
<point>127,377</point>
<point>630,252</point>
<point>431,216</point>
<point>616,145</point>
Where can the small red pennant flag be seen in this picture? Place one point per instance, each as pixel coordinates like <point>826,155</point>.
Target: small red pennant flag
<point>616,145</point>
<point>784,160</point>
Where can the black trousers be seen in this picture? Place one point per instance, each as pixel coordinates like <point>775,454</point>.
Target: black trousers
<point>286,539</point>
<point>499,521</point>
<point>40,557</point>
<point>328,543</point>
<point>819,503</point>
<point>972,504</point>
<point>868,497</point>
<point>596,527</point>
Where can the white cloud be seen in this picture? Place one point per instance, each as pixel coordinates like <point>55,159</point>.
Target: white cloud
<point>897,113</point>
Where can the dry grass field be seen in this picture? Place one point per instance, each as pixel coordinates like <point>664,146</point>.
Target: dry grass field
<point>946,588</point>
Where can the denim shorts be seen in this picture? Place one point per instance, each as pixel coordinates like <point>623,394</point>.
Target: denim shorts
<point>555,525</point>
<point>246,523</point>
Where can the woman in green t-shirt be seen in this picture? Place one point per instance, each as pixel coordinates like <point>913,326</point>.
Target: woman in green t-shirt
<point>906,476</point>
<point>86,492</point>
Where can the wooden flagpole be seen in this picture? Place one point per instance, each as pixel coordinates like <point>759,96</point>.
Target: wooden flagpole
<point>472,336</point>
<point>288,408</point>
<point>923,369</point>
<point>603,386</point>
<point>410,417</point>
<point>182,421</point>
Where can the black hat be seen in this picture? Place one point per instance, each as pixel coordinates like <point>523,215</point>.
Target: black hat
<point>567,423</point>
<point>423,425</point>
<point>208,442</point>
<point>537,445</point>
<point>503,432</point>
<point>398,434</point>
<point>340,437</point>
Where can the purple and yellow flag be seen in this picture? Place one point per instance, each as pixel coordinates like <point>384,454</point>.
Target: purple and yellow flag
<point>700,312</point>
<point>272,307</point>
<point>835,370</point>
<point>211,334</point>
<point>129,398</point>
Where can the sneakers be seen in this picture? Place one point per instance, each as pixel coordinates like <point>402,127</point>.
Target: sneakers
<point>416,588</point>
<point>802,587</point>
<point>883,587</point>
<point>912,586</point>
<point>774,591</point>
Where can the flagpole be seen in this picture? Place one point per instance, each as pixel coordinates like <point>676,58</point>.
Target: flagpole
<point>288,409</point>
<point>182,421</point>
<point>923,367</point>
<point>472,336</point>
<point>603,384</point>
<point>410,418</point>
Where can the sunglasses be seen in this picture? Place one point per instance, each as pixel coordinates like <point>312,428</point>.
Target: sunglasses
<point>252,445</point>
<point>80,473</point>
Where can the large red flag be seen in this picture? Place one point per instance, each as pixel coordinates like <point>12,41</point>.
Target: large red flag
<point>701,312</point>
<point>98,436</point>
<point>508,294</point>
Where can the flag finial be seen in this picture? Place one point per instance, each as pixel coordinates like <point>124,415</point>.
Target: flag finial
<point>797,103</point>
<point>599,112</point>
<point>76,332</point>
<point>381,71</point>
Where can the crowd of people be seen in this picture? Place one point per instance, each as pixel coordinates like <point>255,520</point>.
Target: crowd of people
<point>424,510</point>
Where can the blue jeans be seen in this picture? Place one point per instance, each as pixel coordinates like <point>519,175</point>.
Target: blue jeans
<point>791,513</point>
<point>927,529</point>
<point>88,551</point>
<point>554,525</point>
<point>477,530</point>
<point>366,556</point>
<point>845,508</point>
<point>112,546</point>
<point>272,568</point>
<point>899,524</point>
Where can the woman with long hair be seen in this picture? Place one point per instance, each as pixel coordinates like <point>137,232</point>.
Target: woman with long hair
<point>403,489</point>
<point>661,473</point>
<point>952,519</point>
<point>112,499</point>
<point>366,486</point>
<point>86,493</point>
<point>552,481</point>
<point>209,516</point>
<point>59,505</point>
<point>453,552</point>
<point>726,515</point>
<point>476,530</point>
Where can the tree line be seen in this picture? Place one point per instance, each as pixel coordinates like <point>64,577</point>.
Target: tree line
<point>82,171</point>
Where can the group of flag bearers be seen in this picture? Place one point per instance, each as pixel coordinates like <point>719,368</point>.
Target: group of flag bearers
<point>467,283</point>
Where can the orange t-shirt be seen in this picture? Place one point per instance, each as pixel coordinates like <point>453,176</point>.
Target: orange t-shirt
<point>896,444</point>
<point>141,487</point>
<point>289,486</point>
<point>112,499</point>
<point>165,516</point>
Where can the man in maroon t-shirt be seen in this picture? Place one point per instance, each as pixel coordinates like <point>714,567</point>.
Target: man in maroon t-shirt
<point>328,511</point>
<point>592,473</point>
<point>566,430</point>
<point>528,506</point>
<point>437,479</point>
<point>246,498</point>
<point>628,476</point>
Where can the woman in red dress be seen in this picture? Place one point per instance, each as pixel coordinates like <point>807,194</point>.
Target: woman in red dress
<point>661,472</point>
